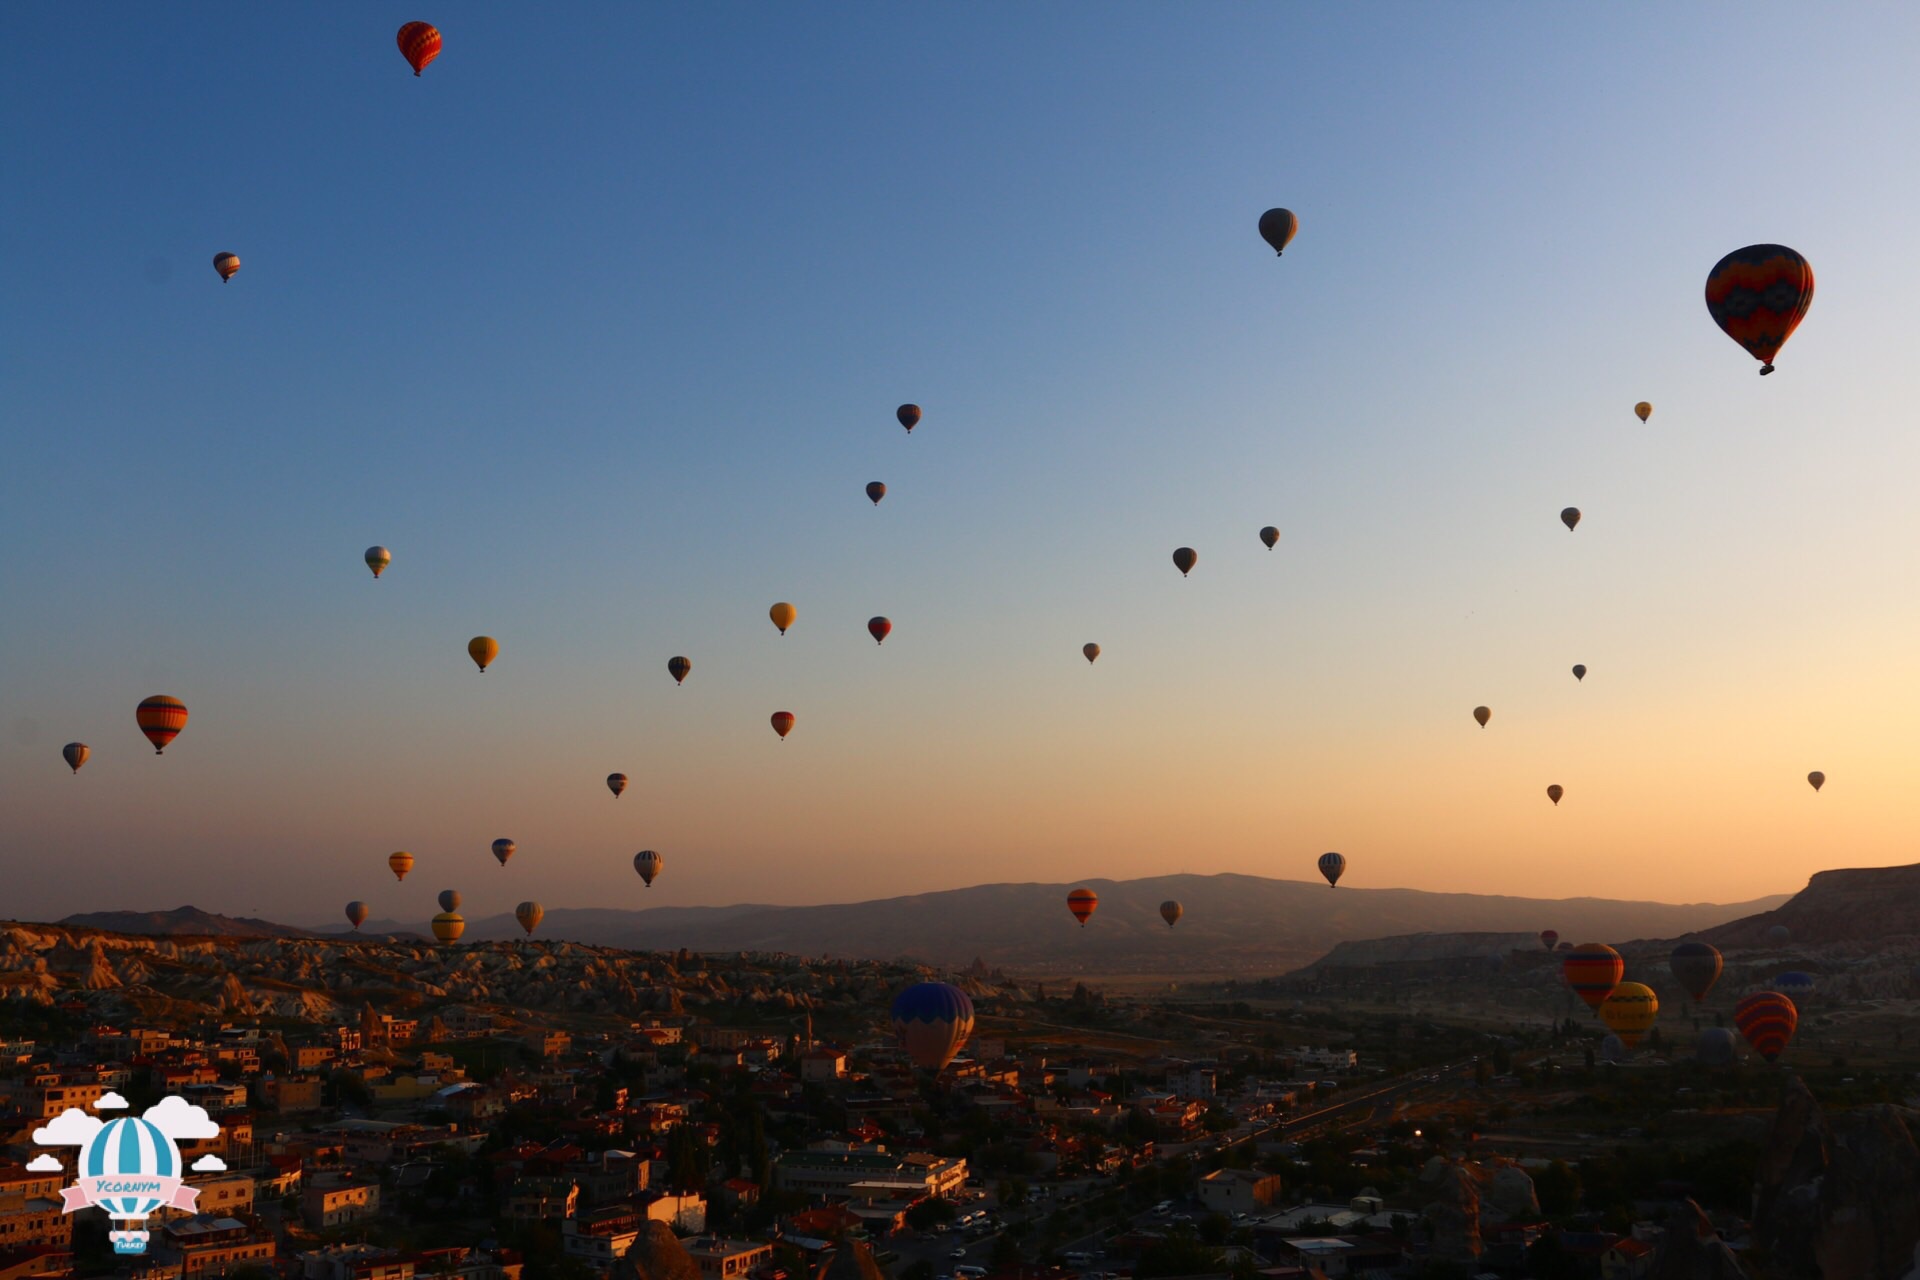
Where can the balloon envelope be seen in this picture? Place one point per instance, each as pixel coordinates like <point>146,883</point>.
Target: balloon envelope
<point>1629,1011</point>
<point>227,264</point>
<point>1184,558</point>
<point>1483,714</point>
<point>75,754</point>
<point>1593,970</point>
<point>876,491</point>
<point>648,864</point>
<point>1779,935</point>
<point>1555,791</point>
<point>879,629</point>
<point>1548,937</point>
<point>1767,1019</point>
<point>529,914</point>
<point>1758,296</point>
<point>503,849</point>
<point>448,926</point>
<point>1091,651</point>
<point>1816,779</point>
<point>449,899</point>
<point>1644,409</point>
<point>161,718</point>
<point>783,615</point>
<point>483,650</point>
<point>1277,228</point>
<point>1269,535</point>
<point>419,44</point>
<point>357,913</point>
<point>1082,903</point>
<point>1696,966</point>
<point>1171,911</point>
<point>782,722</point>
<point>1796,986</point>
<point>616,783</point>
<point>400,864</point>
<point>1579,671</point>
<point>931,1021</point>
<point>679,669</point>
<point>1570,517</point>
<point>909,415</point>
<point>378,558</point>
<point>1333,866</point>
<point>1717,1047</point>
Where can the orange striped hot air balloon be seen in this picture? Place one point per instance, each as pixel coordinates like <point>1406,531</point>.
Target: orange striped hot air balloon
<point>419,44</point>
<point>227,264</point>
<point>1758,296</point>
<point>783,723</point>
<point>1593,970</point>
<point>400,863</point>
<point>1082,902</point>
<point>1767,1019</point>
<point>75,754</point>
<point>161,718</point>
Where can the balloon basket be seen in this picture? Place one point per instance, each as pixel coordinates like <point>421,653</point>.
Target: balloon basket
<point>128,1241</point>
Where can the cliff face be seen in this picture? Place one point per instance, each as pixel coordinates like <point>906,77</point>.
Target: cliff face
<point>1836,907</point>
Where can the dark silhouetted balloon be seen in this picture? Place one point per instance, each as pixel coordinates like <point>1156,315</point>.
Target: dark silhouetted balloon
<point>1548,937</point>
<point>76,753</point>
<point>616,783</point>
<point>1277,228</point>
<point>1333,866</point>
<point>357,913</point>
<point>1758,296</point>
<point>1091,650</point>
<point>503,849</point>
<point>529,914</point>
<point>1644,410</point>
<point>1717,1047</point>
<point>679,669</point>
<point>648,864</point>
<point>1579,671</point>
<point>1555,791</point>
<point>876,491</point>
<point>1779,935</point>
<point>1270,536</point>
<point>1184,558</point>
<point>909,415</point>
<point>1483,714</point>
<point>1171,911</point>
<point>449,899</point>
<point>1816,779</point>
<point>879,629</point>
<point>1696,966</point>
<point>783,723</point>
<point>1570,517</point>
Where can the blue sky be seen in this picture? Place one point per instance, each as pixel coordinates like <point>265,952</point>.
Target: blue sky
<point>600,323</point>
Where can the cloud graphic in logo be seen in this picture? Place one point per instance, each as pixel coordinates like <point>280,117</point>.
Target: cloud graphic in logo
<point>71,1128</point>
<point>174,1116</point>
<point>110,1101</point>
<point>45,1164</point>
<point>209,1164</point>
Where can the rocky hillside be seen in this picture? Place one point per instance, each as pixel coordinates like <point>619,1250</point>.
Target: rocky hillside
<point>1864,904</point>
<point>1418,947</point>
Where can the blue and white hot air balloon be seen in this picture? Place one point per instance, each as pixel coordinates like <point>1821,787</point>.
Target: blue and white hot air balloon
<point>133,1169</point>
<point>931,1020</point>
<point>1796,986</point>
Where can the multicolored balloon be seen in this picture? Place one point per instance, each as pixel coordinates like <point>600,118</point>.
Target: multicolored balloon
<point>1767,1019</point>
<point>1082,902</point>
<point>1593,970</point>
<point>648,864</point>
<point>783,723</point>
<point>616,783</point>
<point>378,558</point>
<point>75,754</point>
<point>1278,228</point>
<point>1570,516</point>
<point>1333,866</point>
<point>783,615</point>
<point>1758,296</point>
<point>356,913</point>
<point>400,863</point>
<point>909,415</point>
<point>1629,1011</point>
<point>419,44</point>
<point>679,668</point>
<point>483,650</point>
<point>1696,967</point>
<point>876,491</point>
<point>448,926</point>
<point>931,1021</point>
<point>879,628</point>
<point>529,914</point>
<point>1171,911</point>
<point>503,849</point>
<point>1184,558</point>
<point>161,718</point>
<point>227,264</point>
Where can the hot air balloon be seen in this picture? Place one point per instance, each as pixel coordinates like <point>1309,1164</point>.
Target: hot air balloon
<point>1796,986</point>
<point>876,491</point>
<point>1758,296</point>
<point>76,753</point>
<point>227,264</point>
<point>1082,902</point>
<point>616,783</point>
<point>1548,937</point>
<point>1593,970</point>
<point>133,1156</point>
<point>378,558</point>
<point>1579,671</point>
<point>1779,935</point>
<point>1716,1048</point>
<point>1171,911</point>
<point>1629,1011</point>
<point>783,723</point>
<point>419,44</point>
<point>448,926</point>
<point>931,1021</point>
<point>1184,558</point>
<point>1696,966</point>
<point>1644,409</point>
<point>483,650</point>
<point>879,629</point>
<point>1570,517</point>
<point>1092,651</point>
<point>909,415</point>
<point>678,668</point>
<point>1555,791</point>
<point>1277,228</point>
<point>400,864</point>
<point>1483,714</point>
<point>1767,1019</point>
<point>503,849</point>
<point>1270,536</point>
<point>648,864</point>
<point>1613,1049</point>
<point>783,615</point>
<point>1333,866</point>
<point>357,913</point>
<point>529,914</point>
<point>449,899</point>
<point>1816,779</point>
<point>161,718</point>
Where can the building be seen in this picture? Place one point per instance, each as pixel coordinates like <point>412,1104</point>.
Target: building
<point>601,1236</point>
<point>354,1262</point>
<point>330,1199</point>
<point>721,1259</point>
<point>222,1195</point>
<point>823,1065</point>
<point>541,1198</point>
<point>835,1172</point>
<point>30,1213</point>
<point>544,1042</point>
<point>209,1246</point>
<point>682,1213</point>
<point>290,1094</point>
<point>1232,1191</point>
<point>1326,1059</point>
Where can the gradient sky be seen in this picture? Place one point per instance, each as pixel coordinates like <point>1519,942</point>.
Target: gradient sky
<point>600,326</point>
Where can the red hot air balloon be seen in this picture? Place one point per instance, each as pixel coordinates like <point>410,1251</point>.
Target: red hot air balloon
<point>161,718</point>
<point>1548,937</point>
<point>1082,902</point>
<point>909,415</point>
<point>783,723</point>
<point>1593,970</point>
<point>419,44</point>
<point>879,629</point>
<point>1767,1019</point>
<point>1758,296</point>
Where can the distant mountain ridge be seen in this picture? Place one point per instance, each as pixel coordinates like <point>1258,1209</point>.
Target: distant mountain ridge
<point>1852,905</point>
<point>184,922</point>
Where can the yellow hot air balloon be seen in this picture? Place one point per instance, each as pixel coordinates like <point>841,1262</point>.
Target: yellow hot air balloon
<point>378,558</point>
<point>783,615</point>
<point>1645,410</point>
<point>1630,1012</point>
<point>448,926</point>
<point>400,864</point>
<point>1483,714</point>
<point>529,914</point>
<point>227,264</point>
<point>483,650</point>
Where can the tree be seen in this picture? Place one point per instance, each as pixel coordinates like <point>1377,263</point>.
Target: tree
<point>924,1214</point>
<point>1558,1188</point>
